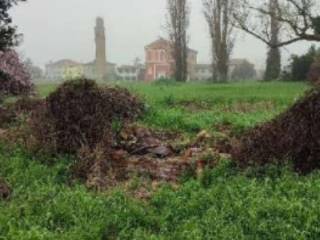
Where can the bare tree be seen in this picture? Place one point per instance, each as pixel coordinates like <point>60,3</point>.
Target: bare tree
<point>299,20</point>
<point>177,25</point>
<point>218,14</point>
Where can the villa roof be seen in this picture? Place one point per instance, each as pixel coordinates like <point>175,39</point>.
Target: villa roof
<point>64,62</point>
<point>163,43</point>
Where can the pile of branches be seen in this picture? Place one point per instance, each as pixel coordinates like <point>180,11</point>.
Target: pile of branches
<point>80,113</point>
<point>292,136</point>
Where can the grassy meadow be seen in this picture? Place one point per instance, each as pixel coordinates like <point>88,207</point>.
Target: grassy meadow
<point>225,203</point>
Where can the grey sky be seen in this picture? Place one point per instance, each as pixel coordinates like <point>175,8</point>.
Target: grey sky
<point>56,29</point>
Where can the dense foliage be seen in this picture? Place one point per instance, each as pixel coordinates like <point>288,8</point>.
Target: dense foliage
<point>244,71</point>
<point>299,67</point>
<point>8,36</point>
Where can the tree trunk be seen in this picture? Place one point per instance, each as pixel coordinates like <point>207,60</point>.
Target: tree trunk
<point>218,14</point>
<point>178,23</point>
<point>273,68</point>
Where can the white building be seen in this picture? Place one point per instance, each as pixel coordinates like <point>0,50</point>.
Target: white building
<point>130,72</point>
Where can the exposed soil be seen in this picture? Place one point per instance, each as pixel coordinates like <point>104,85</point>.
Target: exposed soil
<point>5,190</point>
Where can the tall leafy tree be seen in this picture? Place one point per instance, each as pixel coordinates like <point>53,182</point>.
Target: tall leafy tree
<point>8,33</point>
<point>177,26</point>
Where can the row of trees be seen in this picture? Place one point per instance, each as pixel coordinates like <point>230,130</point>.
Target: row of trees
<point>276,23</point>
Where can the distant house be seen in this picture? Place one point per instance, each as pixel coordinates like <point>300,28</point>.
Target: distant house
<point>66,69</point>
<point>160,63</point>
<point>60,69</point>
<point>203,72</point>
<point>99,69</point>
<point>130,72</point>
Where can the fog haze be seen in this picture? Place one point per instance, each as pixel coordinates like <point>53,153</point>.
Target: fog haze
<point>56,29</point>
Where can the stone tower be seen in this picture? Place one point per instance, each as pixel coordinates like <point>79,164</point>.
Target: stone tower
<point>101,59</point>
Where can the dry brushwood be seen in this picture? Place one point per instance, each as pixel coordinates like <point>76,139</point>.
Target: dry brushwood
<point>292,136</point>
<point>80,113</point>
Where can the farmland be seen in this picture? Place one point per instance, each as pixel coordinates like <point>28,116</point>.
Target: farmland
<point>224,203</point>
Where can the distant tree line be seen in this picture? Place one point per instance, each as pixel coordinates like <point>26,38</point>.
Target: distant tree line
<point>302,67</point>
<point>276,23</point>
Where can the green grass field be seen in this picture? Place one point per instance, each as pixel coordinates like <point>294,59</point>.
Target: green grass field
<point>225,203</point>
<point>194,107</point>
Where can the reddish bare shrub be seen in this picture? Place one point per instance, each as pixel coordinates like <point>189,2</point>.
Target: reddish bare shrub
<point>80,113</point>
<point>292,136</point>
<point>13,75</point>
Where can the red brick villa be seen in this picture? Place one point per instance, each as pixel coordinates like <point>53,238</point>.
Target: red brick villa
<point>159,61</point>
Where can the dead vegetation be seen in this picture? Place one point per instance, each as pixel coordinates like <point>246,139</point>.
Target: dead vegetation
<point>95,124</point>
<point>141,152</point>
<point>80,113</point>
<point>293,136</point>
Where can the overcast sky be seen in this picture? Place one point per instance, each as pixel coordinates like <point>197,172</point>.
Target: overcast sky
<point>56,29</point>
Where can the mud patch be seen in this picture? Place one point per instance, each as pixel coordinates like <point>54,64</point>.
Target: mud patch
<point>5,190</point>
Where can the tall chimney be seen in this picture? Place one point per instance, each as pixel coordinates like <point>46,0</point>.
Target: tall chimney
<point>101,59</point>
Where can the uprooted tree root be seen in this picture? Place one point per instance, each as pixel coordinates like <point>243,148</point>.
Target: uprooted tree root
<point>292,136</point>
<point>141,152</point>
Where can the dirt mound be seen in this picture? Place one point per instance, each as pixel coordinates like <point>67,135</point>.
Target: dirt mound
<point>5,190</point>
<point>292,136</point>
<point>80,113</point>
